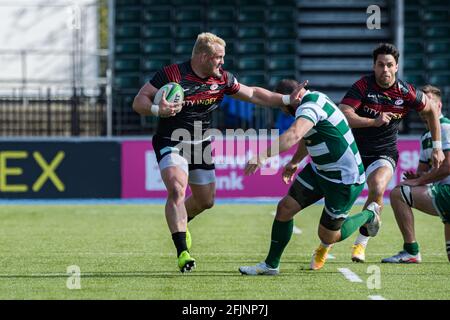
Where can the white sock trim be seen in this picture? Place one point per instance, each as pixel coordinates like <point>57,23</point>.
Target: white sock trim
<point>362,239</point>
<point>325,245</point>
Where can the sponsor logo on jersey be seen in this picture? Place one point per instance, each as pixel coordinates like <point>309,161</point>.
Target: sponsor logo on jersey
<point>398,103</point>
<point>200,102</point>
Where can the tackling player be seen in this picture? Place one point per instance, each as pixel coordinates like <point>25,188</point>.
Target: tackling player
<point>335,173</point>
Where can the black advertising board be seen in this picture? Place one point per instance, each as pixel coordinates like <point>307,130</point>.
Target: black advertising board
<point>59,169</point>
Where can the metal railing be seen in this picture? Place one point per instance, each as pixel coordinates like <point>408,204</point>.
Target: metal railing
<point>51,114</point>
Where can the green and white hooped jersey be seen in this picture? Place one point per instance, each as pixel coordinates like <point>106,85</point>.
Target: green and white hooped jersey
<point>426,146</point>
<point>330,142</point>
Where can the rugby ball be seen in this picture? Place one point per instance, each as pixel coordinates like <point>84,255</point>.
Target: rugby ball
<point>174,93</point>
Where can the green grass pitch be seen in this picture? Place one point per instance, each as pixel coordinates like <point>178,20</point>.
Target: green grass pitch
<point>126,252</point>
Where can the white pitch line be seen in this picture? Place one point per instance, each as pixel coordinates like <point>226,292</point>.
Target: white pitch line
<point>295,230</point>
<point>350,275</point>
<point>376,298</point>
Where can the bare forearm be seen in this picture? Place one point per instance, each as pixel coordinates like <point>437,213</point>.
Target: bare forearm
<point>354,120</point>
<point>263,97</point>
<point>432,118</point>
<point>300,154</point>
<point>434,176</point>
<point>142,105</point>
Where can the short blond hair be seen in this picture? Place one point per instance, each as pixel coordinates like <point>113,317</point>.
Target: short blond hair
<point>205,43</point>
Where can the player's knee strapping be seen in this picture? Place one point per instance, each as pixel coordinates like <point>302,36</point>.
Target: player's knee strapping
<point>407,197</point>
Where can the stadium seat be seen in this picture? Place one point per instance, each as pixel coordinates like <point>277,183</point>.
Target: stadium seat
<point>127,47</point>
<point>157,47</point>
<point>438,47</point>
<point>282,32</point>
<point>437,31</point>
<point>275,78</point>
<point>225,32</point>
<point>412,32</point>
<point>281,15</point>
<point>181,3</point>
<point>251,32</point>
<point>230,47</point>
<point>155,64</point>
<point>256,3</point>
<point>413,47</point>
<point>439,63</point>
<point>157,31</point>
<point>128,2</point>
<point>412,14</point>
<point>278,47</point>
<point>251,64</point>
<point>413,64</point>
<point>252,80</point>
<point>436,15</point>
<point>130,64</point>
<point>188,32</point>
<point>427,3</point>
<point>127,81</point>
<point>157,15</point>
<point>221,15</point>
<point>124,31</point>
<point>282,3</point>
<point>440,80</point>
<point>128,15</point>
<point>251,48</point>
<point>229,64</point>
<point>281,64</point>
<point>416,79</point>
<point>184,47</point>
<point>189,15</point>
<point>216,3</point>
<point>252,15</point>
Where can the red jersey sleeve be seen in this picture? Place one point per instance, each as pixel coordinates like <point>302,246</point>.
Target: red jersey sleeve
<point>355,95</point>
<point>233,85</point>
<point>167,74</point>
<point>415,97</point>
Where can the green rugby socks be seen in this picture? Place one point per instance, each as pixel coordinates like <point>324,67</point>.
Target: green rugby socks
<point>353,223</point>
<point>281,234</point>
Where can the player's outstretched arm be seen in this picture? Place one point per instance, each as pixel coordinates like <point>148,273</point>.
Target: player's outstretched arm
<point>431,115</point>
<point>288,139</point>
<point>264,97</point>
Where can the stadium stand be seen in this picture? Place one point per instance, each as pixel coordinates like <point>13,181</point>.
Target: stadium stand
<point>261,47</point>
<point>427,49</point>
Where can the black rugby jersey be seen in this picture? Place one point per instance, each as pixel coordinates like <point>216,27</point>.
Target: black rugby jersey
<point>201,97</point>
<point>369,99</point>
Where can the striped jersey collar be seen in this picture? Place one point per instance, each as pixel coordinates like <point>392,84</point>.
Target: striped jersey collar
<point>306,93</point>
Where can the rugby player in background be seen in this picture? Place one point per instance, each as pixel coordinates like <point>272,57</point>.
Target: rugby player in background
<point>374,107</point>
